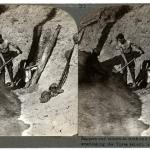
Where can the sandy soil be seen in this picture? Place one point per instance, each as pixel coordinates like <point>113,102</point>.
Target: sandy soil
<point>145,114</point>
<point>108,109</point>
<point>58,117</point>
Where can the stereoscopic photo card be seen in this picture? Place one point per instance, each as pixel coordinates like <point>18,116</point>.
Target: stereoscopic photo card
<point>74,75</point>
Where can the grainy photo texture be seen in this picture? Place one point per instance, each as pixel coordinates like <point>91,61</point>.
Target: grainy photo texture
<point>114,71</point>
<point>38,71</point>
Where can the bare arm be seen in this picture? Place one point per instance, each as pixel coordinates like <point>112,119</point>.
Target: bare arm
<point>117,47</point>
<point>137,47</point>
<point>16,47</point>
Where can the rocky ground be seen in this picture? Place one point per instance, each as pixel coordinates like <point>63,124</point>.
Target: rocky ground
<point>108,108</point>
<point>59,115</point>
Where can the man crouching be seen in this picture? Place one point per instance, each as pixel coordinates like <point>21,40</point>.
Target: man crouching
<point>8,55</point>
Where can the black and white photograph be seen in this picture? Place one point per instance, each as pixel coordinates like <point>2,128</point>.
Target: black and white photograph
<point>114,71</point>
<point>38,71</point>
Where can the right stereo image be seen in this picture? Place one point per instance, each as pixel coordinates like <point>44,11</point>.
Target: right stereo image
<point>114,71</point>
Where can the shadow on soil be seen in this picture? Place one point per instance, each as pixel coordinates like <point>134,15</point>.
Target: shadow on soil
<point>106,106</point>
<point>10,110</point>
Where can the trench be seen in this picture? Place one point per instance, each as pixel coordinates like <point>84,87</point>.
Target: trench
<point>10,121</point>
<point>34,55</point>
<point>105,32</point>
<point>37,31</point>
<point>106,106</point>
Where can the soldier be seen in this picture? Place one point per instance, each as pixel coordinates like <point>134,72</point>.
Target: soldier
<point>129,52</point>
<point>7,54</point>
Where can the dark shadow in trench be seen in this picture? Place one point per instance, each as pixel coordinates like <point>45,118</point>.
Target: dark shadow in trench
<point>121,12</point>
<point>93,70</point>
<point>34,51</point>
<point>3,8</point>
<point>33,54</point>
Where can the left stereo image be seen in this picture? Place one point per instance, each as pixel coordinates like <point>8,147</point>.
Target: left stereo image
<point>38,71</point>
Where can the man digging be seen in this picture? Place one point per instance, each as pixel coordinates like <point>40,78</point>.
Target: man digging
<point>129,52</point>
<point>7,55</point>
